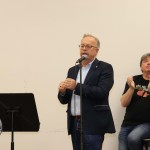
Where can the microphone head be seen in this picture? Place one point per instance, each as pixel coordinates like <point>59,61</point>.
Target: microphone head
<point>85,56</point>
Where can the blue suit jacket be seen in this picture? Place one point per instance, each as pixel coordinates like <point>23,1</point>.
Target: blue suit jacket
<point>96,113</point>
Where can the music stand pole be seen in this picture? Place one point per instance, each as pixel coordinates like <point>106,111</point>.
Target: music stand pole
<point>12,131</point>
<point>81,123</point>
<point>12,126</point>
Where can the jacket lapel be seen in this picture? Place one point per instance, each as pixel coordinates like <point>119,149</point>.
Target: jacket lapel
<point>94,66</point>
<point>75,71</point>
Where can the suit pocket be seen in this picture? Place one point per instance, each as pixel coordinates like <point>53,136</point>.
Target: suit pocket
<point>101,107</point>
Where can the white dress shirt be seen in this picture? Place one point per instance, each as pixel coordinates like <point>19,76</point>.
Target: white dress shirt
<point>75,100</point>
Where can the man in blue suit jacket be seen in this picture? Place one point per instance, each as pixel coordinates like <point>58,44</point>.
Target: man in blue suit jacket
<point>97,81</point>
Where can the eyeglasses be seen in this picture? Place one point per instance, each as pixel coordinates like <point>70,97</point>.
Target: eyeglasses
<point>82,46</point>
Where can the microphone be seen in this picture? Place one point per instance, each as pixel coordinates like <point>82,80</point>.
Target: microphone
<point>82,58</point>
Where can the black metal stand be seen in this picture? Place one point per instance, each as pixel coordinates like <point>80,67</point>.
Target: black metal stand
<point>81,140</point>
<point>12,125</point>
<point>18,113</point>
<point>12,131</point>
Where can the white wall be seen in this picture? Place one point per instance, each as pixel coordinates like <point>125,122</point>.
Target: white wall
<point>38,43</point>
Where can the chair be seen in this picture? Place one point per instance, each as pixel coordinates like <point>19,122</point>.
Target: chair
<point>146,143</point>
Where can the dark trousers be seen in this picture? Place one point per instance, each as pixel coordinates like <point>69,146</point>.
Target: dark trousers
<point>89,141</point>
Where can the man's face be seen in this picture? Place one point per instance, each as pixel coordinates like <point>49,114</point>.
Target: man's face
<point>88,47</point>
<point>145,65</point>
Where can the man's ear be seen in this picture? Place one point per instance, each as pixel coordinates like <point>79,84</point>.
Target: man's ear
<point>97,50</point>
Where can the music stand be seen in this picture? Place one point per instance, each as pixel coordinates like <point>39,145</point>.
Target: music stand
<point>18,113</point>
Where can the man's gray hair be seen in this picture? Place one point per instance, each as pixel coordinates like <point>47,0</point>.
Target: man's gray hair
<point>97,40</point>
